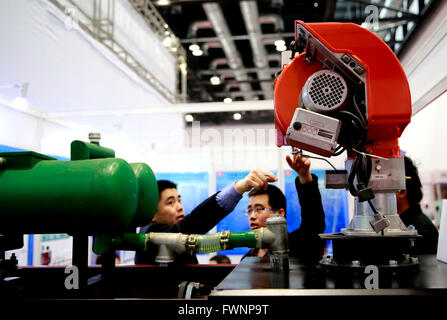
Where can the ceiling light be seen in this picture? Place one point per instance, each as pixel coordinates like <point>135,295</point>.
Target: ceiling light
<point>189,118</point>
<point>215,80</point>
<point>183,67</point>
<point>228,100</point>
<point>315,4</point>
<point>280,43</point>
<point>197,53</point>
<point>237,116</point>
<point>281,48</point>
<point>20,103</point>
<point>194,47</point>
<point>163,2</point>
<point>167,41</point>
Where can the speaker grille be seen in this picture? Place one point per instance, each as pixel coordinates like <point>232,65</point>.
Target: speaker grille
<point>325,91</point>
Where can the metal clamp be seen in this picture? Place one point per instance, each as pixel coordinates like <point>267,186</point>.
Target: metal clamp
<point>191,243</point>
<point>225,240</point>
<point>187,289</point>
<point>381,222</point>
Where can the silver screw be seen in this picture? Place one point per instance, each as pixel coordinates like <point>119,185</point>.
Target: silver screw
<point>414,260</point>
<point>94,137</point>
<point>355,263</point>
<point>327,260</point>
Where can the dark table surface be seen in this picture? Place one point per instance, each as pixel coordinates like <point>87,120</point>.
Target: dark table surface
<point>253,277</point>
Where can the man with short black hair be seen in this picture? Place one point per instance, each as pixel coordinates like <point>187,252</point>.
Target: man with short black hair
<point>170,215</point>
<point>170,209</point>
<point>410,212</point>
<point>304,242</point>
<point>220,259</point>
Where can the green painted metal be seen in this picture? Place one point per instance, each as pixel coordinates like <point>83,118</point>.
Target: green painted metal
<point>148,194</point>
<point>102,243</point>
<point>244,239</point>
<point>22,159</point>
<point>81,150</point>
<point>51,196</point>
<point>130,241</point>
<point>126,241</point>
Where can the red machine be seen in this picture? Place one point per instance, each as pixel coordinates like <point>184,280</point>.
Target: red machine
<point>354,64</point>
<point>346,90</point>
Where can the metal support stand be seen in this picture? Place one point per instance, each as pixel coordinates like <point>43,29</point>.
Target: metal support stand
<point>389,253</point>
<point>10,284</point>
<point>80,261</point>
<point>108,270</point>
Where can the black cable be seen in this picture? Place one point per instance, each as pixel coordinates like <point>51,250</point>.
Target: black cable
<point>304,155</point>
<point>364,171</point>
<point>312,157</point>
<point>372,207</point>
<point>358,110</point>
<point>358,125</point>
<point>355,117</point>
<point>352,173</point>
<point>338,151</point>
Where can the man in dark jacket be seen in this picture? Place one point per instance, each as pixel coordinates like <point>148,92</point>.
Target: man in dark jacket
<point>304,242</point>
<point>410,212</point>
<point>170,216</point>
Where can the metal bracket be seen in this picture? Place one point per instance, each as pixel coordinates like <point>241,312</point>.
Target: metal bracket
<point>191,243</point>
<point>225,240</point>
<point>381,222</point>
<point>186,289</point>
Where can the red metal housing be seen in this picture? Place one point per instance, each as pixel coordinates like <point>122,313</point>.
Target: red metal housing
<point>387,93</point>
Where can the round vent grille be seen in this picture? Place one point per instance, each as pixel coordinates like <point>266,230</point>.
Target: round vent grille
<point>325,91</point>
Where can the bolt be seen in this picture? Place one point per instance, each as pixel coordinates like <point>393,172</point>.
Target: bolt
<point>327,259</point>
<point>392,263</point>
<point>94,137</point>
<point>355,263</point>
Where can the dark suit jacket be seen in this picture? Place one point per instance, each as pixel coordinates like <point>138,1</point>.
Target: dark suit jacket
<point>304,242</point>
<point>201,220</point>
<point>429,242</point>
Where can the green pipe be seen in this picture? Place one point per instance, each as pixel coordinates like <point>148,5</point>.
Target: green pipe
<point>225,240</point>
<point>208,243</point>
<point>147,194</point>
<point>201,243</point>
<point>81,150</point>
<point>53,196</point>
<point>244,239</point>
<point>130,241</point>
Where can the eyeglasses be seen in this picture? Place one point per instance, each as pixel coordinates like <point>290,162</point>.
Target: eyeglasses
<point>257,210</point>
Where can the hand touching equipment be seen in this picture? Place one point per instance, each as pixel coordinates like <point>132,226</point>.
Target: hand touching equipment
<point>257,179</point>
<point>301,164</point>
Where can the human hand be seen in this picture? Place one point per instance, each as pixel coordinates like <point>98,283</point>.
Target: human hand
<point>301,165</point>
<point>257,178</point>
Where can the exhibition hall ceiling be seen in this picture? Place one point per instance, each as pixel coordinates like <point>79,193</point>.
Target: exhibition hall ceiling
<point>234,47</point>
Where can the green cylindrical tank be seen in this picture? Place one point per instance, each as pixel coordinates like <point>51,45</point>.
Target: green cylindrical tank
<point>148,194</point>
<point>52,196</point>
